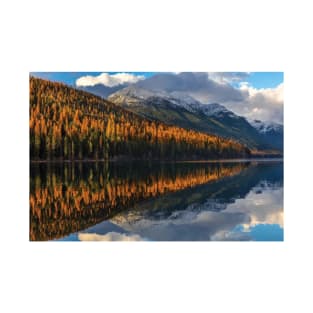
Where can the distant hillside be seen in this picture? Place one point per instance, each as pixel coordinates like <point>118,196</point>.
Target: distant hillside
<point>184,111</point>
<point>271,132</point>
<point>68,124</point>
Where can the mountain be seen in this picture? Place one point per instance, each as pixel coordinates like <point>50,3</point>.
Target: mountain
<point>181,109</point>
<point>266,127</point>
<point>70,124</point>
<point>271,132</point>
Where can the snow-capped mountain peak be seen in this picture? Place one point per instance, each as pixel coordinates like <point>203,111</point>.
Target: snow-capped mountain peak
<point>137,94</point>
<point>266,127</point>
<point>183,100</point>
<point>215,109</point>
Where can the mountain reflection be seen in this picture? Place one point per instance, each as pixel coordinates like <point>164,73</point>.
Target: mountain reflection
<point>247,206</point>
<point>67,198</point>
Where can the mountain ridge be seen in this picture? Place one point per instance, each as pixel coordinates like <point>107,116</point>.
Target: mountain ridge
<point>183,110</point>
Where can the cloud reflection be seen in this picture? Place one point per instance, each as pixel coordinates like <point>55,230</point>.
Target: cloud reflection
<point>236,222</point>
<point>243,208</point>
<point>111,236</point>
<point>263,204</point>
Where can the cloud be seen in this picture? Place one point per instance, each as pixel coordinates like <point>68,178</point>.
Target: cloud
<point>272,218</point>
<point>111,236</point>
<point>228,77</point>
<point>230,236</point>
<point>197,85</point>
<point>109,80</point>
<point>265,104</point>
<point>262,208</point>
<point>182,225</point>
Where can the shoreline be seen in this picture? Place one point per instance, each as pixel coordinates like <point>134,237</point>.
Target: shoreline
<point>239,160</point>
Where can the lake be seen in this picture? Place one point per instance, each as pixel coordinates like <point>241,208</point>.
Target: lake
<point>153,201</point>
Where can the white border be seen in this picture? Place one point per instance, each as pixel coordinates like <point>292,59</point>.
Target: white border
<point>155,36</point>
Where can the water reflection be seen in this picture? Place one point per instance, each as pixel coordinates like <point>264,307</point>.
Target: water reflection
<point>246,206</point>
<point>67,198</point>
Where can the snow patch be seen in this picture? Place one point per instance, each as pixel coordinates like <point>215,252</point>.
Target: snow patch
<point>265,127</point>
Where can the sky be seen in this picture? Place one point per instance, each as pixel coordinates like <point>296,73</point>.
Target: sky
<point>254,95</point>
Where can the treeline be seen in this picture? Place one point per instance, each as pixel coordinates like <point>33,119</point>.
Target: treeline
<point>69,124</point>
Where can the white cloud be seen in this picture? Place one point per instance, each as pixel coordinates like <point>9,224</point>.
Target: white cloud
<point>109,80</point>
<point>196,84</point>
<point>111,236</point>
<point>265,104</point>
<point>272,218</point>
<point>227,77</point>
<point>262,208</point>
<point>271,94</point>
<point>187,224</point>
<point>226,235</point>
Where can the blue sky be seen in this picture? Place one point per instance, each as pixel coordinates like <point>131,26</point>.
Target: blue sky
<point>71,77</point>
<point>265,79</point>
<point>255,79</point>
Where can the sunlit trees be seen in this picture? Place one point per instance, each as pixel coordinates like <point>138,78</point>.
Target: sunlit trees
<point>69,124</point>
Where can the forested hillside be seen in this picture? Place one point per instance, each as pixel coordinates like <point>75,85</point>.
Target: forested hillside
<point>67,124</point>
<point>184,111</point>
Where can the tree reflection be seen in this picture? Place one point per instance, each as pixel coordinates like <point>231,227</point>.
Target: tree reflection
<point>66,198</point>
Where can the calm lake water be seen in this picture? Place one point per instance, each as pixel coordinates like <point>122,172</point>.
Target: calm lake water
<point>230,201</point>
